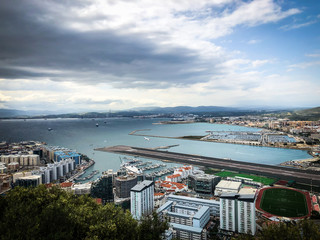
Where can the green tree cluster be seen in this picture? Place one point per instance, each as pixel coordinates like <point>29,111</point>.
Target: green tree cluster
<point>303,230</point>
<point>41,213</point>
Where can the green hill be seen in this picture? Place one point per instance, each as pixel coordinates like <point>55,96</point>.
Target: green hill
<point>311,114</point>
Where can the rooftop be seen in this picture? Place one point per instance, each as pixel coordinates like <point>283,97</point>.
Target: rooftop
<point>66,184</point>
<point>201,211</point>
<point>186,228</point>
<point>158,194</point>
<point>165,206</point>
<point>174,176</point>
<point>229,184</point>
<point>141,186</point>
<point>30,177</point>
<point>247,190</point>
<point>198,200</point>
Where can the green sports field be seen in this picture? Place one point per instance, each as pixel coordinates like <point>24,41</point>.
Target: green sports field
<point>284,202</point>
<point>263,180</point>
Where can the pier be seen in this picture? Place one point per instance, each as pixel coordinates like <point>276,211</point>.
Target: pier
<point>285,173</point>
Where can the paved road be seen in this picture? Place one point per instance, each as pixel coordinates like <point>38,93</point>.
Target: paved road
<point>286,173</point>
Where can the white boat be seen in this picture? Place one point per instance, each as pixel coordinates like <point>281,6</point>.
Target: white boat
<point>133,169</point>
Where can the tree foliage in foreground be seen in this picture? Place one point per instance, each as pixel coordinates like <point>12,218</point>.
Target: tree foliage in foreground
<point>40,213</point>
<point>152,227</point>
<point>303,230</point>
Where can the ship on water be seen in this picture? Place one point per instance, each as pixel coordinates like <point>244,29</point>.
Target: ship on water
<point>130,166</point>
<point>133,169</point>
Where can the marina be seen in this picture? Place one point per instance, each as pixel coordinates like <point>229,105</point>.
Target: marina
<point>301,176</point>
<point>137,166</point>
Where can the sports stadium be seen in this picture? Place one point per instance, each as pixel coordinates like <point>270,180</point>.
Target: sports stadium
<point>284,202</point>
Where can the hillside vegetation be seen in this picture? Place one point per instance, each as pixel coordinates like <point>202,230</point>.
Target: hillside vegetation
<point>312,114</point>
<point>40,213</point>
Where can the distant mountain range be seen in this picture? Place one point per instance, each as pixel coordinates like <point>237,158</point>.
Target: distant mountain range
<point>185,109</point>
<point>164,111</point>
<point>9,113</point>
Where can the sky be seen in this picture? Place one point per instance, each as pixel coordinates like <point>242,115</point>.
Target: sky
<point>63,55</point>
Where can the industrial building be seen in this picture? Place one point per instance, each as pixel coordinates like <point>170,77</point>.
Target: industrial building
<point>237,213</point>
<point>124,184</point>
<point>227,187</point>
<point>142,199</point>
<point>103,187</point>
<point>203,183</point>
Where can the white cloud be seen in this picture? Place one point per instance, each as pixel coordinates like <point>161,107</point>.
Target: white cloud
<point>123,54</point>
<point>304,65</point>
<point>296,26</point>
<point>313,55</point>
<point>253,41</point>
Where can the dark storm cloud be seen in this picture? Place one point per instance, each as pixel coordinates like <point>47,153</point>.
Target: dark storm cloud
<point>34,46</point>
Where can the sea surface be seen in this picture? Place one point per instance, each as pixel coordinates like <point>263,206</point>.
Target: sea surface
<point>83,136</point>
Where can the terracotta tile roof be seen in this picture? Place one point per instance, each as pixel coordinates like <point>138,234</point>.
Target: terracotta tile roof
<point>158,194</point>
<point>66,184</point>
<point>49,185</point>
<point>174,176</point>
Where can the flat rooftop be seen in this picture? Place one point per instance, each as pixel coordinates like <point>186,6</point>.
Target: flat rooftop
<point>141,186</point>
<point>229,185</point>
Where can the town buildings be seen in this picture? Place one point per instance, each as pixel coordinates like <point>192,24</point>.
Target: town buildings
<point>103,187</point>
<point>81,189</point>
<point>22,159</point>
<point>56,171</point>
<point>227,187</point>
<point>62,155</point>
<point>169,186</point>
<point>5,182</point>
<point>142,199</point>
<point>3,168</point>
<point>188,217</point>
<point>213,205</point>
<point>123,185</point>
<point>203,183</point>
<point>29,181</point>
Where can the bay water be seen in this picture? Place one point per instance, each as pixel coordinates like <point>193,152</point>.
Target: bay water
<point>83,136</point>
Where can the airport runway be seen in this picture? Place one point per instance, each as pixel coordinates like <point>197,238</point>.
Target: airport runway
<point>285,173</point>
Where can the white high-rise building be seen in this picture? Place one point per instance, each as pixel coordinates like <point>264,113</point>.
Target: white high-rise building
<point>237,213</point>
<point>142,202</point>
<point>228,212</point>
<point>246,214</point>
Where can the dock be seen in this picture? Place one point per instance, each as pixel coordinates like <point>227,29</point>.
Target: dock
<point>285,173</point>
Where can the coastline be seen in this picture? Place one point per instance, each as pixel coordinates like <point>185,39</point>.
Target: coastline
<point>200,138</point>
